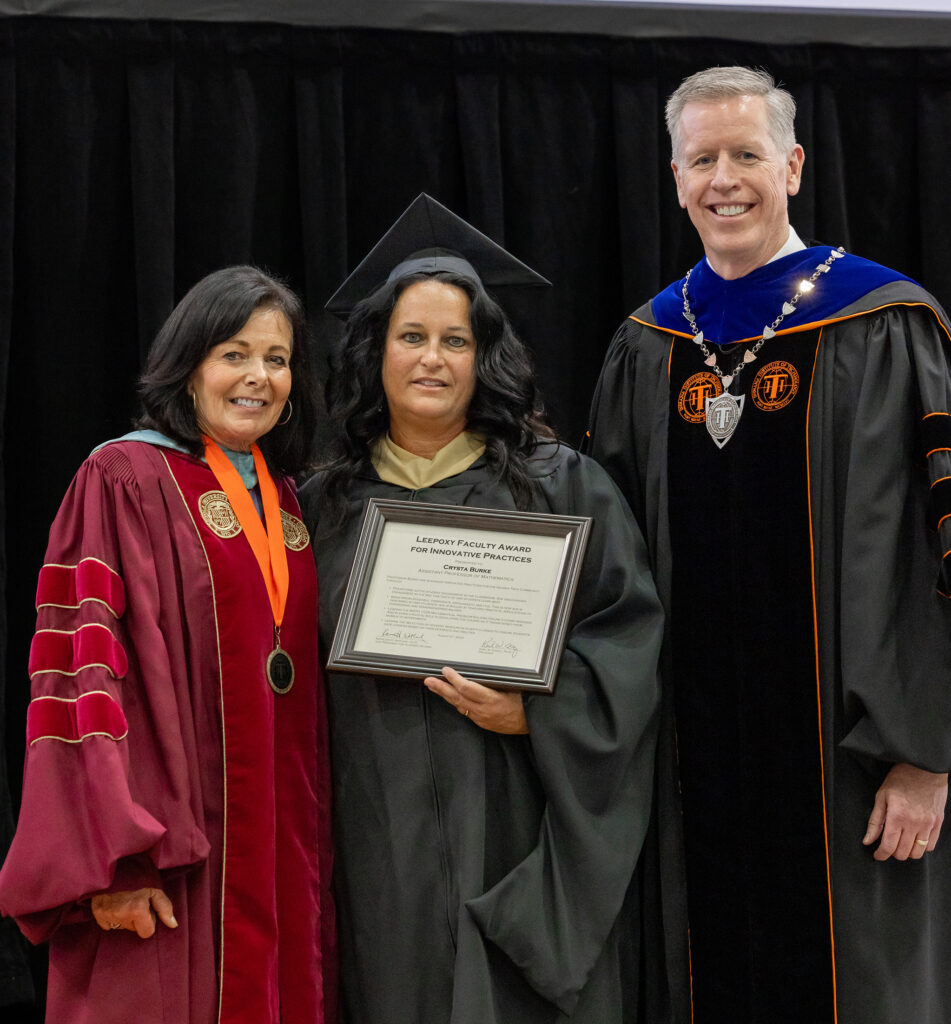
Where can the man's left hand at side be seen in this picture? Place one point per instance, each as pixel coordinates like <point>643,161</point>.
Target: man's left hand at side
<point>908,813</point>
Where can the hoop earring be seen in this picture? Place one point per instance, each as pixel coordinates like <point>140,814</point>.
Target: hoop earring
<point>290,413</point>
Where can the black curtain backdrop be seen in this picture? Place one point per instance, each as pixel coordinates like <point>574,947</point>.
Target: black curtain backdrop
<point>137,156</point>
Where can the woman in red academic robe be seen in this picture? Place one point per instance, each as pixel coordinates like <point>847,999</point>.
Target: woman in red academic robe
<point>173,843</point>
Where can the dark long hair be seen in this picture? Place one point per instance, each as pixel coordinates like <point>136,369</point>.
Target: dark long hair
<point>213,311</point>
<point>504,406</point>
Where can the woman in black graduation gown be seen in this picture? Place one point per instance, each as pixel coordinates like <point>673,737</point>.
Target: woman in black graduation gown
<point>486,841</point>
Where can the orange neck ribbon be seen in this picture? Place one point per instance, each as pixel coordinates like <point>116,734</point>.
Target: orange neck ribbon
<point>268,547</point>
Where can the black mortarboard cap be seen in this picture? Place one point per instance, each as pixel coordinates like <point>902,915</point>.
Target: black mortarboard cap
<point>428,237</point>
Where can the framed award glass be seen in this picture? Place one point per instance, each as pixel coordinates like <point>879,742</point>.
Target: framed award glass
<point>485,591</point>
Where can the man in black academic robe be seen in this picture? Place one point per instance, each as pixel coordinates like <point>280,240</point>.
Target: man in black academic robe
<point>779,421</point>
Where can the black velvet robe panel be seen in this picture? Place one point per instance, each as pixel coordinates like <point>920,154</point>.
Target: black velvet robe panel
<point>482,878</point>
<point>883,629</point>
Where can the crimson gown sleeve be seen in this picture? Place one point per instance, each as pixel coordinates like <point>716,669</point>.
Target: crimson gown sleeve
<point>593,745</point>
<point>106,797</point>
<point>891,386</point>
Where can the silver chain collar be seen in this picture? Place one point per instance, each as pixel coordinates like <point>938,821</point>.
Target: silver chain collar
<point>749,355</point>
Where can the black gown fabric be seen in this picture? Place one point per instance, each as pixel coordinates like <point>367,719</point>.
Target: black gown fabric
<point>809,649</point>
<point>483,878</point>
<point>743,655</point>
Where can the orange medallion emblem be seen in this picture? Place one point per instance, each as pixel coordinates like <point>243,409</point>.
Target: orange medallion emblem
<point>775,386</point>
<point>694,394</point>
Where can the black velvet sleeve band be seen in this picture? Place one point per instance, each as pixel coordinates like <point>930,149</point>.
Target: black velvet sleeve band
<point>936,432</point>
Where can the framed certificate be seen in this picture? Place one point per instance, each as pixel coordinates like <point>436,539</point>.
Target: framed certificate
<point>487,592</point>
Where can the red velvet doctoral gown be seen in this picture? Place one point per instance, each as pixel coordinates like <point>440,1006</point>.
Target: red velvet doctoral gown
<point>158,755</point>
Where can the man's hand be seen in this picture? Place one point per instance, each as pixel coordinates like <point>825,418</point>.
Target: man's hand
<point>908,812</point>
<point>133,911</point>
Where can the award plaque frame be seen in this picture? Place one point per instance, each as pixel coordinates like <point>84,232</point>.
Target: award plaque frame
<point>486,591</point>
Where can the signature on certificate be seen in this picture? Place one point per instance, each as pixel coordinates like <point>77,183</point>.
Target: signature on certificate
<point>498,647</point>
<point>401,635</point>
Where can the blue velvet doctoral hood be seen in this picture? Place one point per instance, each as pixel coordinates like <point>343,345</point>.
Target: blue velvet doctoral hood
<point>730,311</point>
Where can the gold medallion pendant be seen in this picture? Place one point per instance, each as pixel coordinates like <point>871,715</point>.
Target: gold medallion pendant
<point>279,670</point>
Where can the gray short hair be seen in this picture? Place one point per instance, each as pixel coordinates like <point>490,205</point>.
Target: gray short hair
<point>721,83</point>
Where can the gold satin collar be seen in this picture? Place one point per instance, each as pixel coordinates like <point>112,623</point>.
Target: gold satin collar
<point>397,466</point>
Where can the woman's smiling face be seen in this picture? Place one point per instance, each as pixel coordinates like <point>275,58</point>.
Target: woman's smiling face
<point>242,384</point>
<point>429,361</point>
